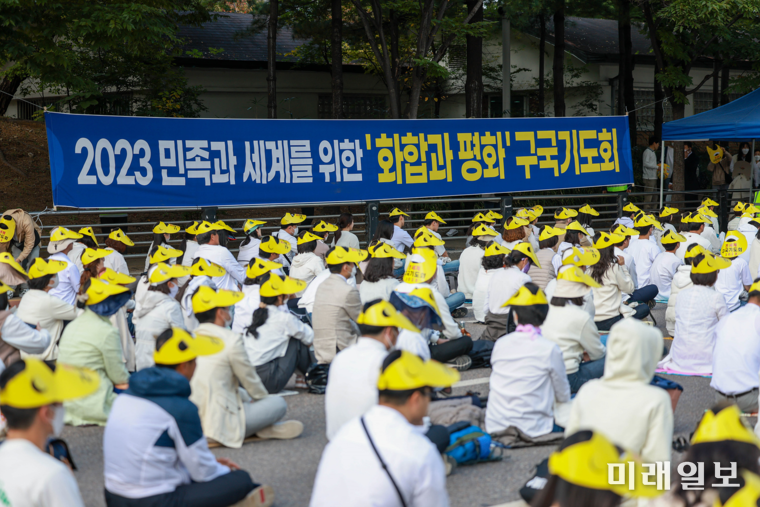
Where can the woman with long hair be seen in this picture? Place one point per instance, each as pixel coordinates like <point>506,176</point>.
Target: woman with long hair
<point>254,276</point>
<point>471,259</point>
<point>615,280</point>
<point>162,233</point>
<point>306,265</point>
<point>117,243</point>
<point>93,264</point>
<point>384,234</point>
<point>379,281</point>
<point>491,263</point>
<point>344,237</point>
<point>515,231</point>
<point>249,248</point>
<point>87,240</point>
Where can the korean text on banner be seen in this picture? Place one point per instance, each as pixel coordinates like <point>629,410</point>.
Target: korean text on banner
<point>116,161</point>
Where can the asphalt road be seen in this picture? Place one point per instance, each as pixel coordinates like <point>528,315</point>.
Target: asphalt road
<point>290,466</point>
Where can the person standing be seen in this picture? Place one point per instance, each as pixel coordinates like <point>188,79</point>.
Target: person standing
<point>720,167</point>
<point>649,164</point>
<point>20,235</point>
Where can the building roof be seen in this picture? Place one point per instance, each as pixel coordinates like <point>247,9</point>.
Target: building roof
<point>593,39</point>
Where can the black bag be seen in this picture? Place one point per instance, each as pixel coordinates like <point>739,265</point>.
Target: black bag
<point>481,353</point>
<point>316,378</point>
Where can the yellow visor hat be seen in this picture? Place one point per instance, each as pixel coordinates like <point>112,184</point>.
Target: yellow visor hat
<point>341,255</point>
<point>565,213</point>
<point>99,291</point>
<point>524,297</point>
<point>739,208</point>
<point>118,235</point>
<point>588,210</point>
<point>323,226</point>
<point>386,251</point>
<point>709,202</point>
<point>224,227</point>
<point>606,240</point>
<point>261,266</point>
<point>161,273</point>
<point>182,347</point>
<point>37,385</point>
<point>538,210</point>
<point>646,221</point>
<point>734,245</point>
<point>62,233</point>
<point>434,216</point>
<point>277,286</point>
<point>7,228</point>
<point>624,231</point>
<point>251,225</point>
<point>8,259</point>
<point>671,237</point>
<point>492,215</point>
<point>525,248</point>
<point>725,425</point>
<point>527,214</point>
<point>694,251</point>
<point>427,239</point>
<point>90,255</point>
<point>710,264</point>
<point>575,226</point>
<point>42,268</point>
<point>705,211</point>
<point>192,228</point>
<point>308,238</point>
<point>206,299</point>
<point>550,232</point>
<point>483,230</point>
<point>409,372</point>
<point>631,208</point>
<point>516,223</point>
<point>422,266</point>
<point>116,278</point>
<point>396,212</point>
<point>292,218</point>
<point>204,267</point>
<point>480,217</point>
<point>383,314</point>
<point>696,218</point>
<point>496,249</point>
<point>275,246</point>
<point>667,211</point>
<point>164,253</point>
<point>576,274</point>
<point>586,256</point>
<point>162,228</point>
<point>87,231</point>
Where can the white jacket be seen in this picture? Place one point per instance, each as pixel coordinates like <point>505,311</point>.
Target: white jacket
<point>245,307</point>
<point>158,313</point>
<point>608,297</point>
<point>39,307</point>
<point>187,259</point>
<point>691,238</point>
<point>115,261</point>
<point>306,267</point>
<point>248,252</point>
<point>754,258</point>
<point>220,255</point>
<point>681,281</point>
<point>574,331</point>
<point>750,234</point>
<point>479,296</point>
<point>186,303</point>
<point>469,266</point>
<point>622,405</point>
<point>369,291</point>
<point>274,336</point>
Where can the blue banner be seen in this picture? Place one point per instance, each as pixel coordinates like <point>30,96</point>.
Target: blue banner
<point>117,161</point>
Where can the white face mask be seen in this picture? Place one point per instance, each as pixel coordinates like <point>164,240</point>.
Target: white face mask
<point>353,271</point>
<point>390,346</point>
<point>295,233</point>
<point>173,290</point>
<point>745,150</point>
<point>757,158</point>
<point>55,282</point>
<point>60,412</point>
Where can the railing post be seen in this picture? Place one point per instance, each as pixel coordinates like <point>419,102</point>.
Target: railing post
<point>723,207</point>
<point>209,214</point>
<point>372,219</point>
<point>621,202</point>
<point>506,207</point>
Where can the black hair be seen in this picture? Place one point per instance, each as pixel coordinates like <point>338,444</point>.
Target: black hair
<point>754,293</point>
<point>397,398</point>
<point>573,237</point>
<point>566,494</point>
<point>208,315</point>
<point>653,139</point>
<point>429,221</point>
<point>694,226</point>
<point>378,269</point>
<point>558,301</point>
<point>693,261</point>
<point>607,259</point>
<point>535,314</point>
<point>307,247</point>
<point>367,330</point>
<point>706,279</point>
<point>335,268</point>
<point>39,283</point>
<point>3,301</point>
<point>492,261</point>
<point>87,241</point>
<point>478,243</point>
<point>158,238</point>
<point>183,246</point>
<point>585,219</point>
<point>384,231</point>
<point>670,247</point>
<point>205,238</point>
<point>163,288</point>
<point>688,143</point>
<point>344,221</point>
<point>548,242</point>
<point>395,219</point>
<point>259,279</point>
<point>260,315</point>
<point>644,229</point>
<point>514,257</point>
<point>262,254</point>
<point>17,418</point>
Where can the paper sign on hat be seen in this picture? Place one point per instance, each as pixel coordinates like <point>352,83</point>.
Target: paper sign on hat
<point>422,266</point>
<point>734,245</point>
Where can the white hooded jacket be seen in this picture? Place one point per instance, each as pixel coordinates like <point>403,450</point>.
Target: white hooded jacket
<point>158,313</point>
<point>681,281</point>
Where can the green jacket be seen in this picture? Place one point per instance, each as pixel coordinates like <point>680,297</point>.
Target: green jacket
<point>90,341</point>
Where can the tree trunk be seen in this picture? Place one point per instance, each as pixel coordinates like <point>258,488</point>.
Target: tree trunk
<point>717,64</point>
<point>626,95</point>
<point>395,69</point>
<point>419,73</point>
<point>473,87</point>
<point>272,60</point>
<point>8,85</point>
<point>559,58</point>
<point>541,65</point>
<point>659,113</point>
<point>678,176</point>
<point>337,59</point>
<point>724,74</point>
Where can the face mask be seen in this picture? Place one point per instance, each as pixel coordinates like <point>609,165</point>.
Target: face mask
<point>390,346</point>
<point>353,272</point>
<point>295,233</point>
<point>173,290</point>
<point>745,150</point>
<point>757,158</point>
<point>526,268</point>
<point>55,282</point>
<point>60,411</point>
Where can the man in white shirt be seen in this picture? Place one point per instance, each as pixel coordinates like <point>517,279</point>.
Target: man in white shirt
<point>432,223</point>
<point>666,264</point>
<point>696,224</point>
<point>401,239</point>
<point>736,356</point>
<point>210,249</point>
<point>289,232</point>
<point>630,211</point>
<point>61,243</point>
<point>31,397</point>
<point>710,233</point>
<point>736,278</point>
<point>621,250</point>
<point>644,250</point>
<point>383,455</point>
<point>649,163</point>
<point>352,384</point>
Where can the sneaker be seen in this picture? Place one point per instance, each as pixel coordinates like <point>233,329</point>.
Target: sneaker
<point>263,496</point>
<point>301,382</point>
<point>284,430</point>
<point>459,312</point>
<point>461,363</point>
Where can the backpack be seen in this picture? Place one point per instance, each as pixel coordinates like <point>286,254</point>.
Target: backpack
<point>469,446</point>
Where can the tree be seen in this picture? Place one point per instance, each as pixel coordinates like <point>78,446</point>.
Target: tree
<point>337,59</point>
<point>90,51</point>
<point>626,98</point>
<point>541,65</point>
<point>558,69</point>
<point>474,84</point>
<point>272,60</point>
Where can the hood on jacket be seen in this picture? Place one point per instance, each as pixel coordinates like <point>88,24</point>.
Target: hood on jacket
<point>303,259</point>
<point>682,276</point>
<point>151,300</point>
<point>633,350</point>
<point>158,381</point>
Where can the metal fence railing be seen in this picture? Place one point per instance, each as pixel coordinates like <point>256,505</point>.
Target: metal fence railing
<point>457,211</point>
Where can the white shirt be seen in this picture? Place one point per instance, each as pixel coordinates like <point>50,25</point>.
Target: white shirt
<point>736,357</point>
<point>528,376</point>
<point>352,383</point>
<point>39,307</point>
<point>32,478</point>
<point>249,251</point>
<point>307,299</point>
<point>117,262</point>
<point>698,310</point>
<point>347,240</point>
<point>710,235</point>
<point>220,255</point>
<point>17,333</point>
<point>479,296</point>
<point>691,238</point>
<point>574,331</point>
<point>274,336</point>
<point>414,343</point>
<point>245,307</point>
<point>662,271</point>
<point>749,232</point>
<point>401,239</point>
<point>503,286</point>
<point>731,282</point>
<point>643,252</point>
<point>283,234</point>
<point>350,473</point>
<point>470,261</point>
<point>68,280</point>
<point>75,255</point>
<point>557,258</point>
<point>630,265</point>
<point>369,291</point>
<point>306,267</point>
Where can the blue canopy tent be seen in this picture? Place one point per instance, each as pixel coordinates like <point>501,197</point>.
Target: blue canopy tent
<point>736,121</point>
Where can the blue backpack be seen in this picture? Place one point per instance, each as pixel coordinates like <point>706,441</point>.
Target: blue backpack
<point>470,445</point>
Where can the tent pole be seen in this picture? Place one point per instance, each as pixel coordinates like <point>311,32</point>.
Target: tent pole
<point>662,171</point>
<point>752,175</point>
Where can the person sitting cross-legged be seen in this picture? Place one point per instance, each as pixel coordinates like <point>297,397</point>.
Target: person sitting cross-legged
<point>382,457</point>
<point>154,450</point>
<point>666,264</point>
<point>231,413</point>
<point>31,393</point>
